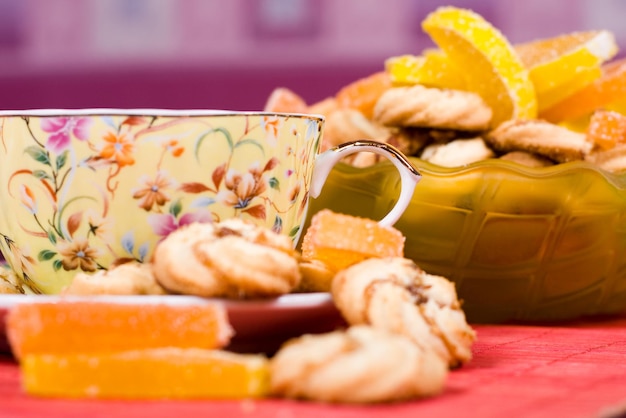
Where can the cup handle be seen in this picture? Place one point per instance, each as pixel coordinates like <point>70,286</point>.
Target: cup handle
<point>409,175</point>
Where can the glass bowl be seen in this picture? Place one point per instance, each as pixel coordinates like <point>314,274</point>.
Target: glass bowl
<point>530,244</point>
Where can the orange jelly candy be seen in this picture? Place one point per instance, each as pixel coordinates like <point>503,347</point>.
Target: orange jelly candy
<point>340,240</point>
<point>89,326</point>
<point>285,100</point>
<point>363,93</point>
<point>610,87</point>
<point>159,373</point>
<point>607,129</point>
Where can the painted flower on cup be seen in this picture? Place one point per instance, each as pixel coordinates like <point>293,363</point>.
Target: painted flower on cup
<point>62,128</point>
<point>153,191</point>
<point>174,147</point>
<point>98,225</point>
<point>241,188</point>
<point>271,125</point>
<point>118,148</point>
<point>79,230</point>
<point>166,223</point>
<point>78,255</point>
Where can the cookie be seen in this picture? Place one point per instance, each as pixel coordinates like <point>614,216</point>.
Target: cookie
<point>324,107</point>
<point>539,137</point>
<point>316,277</point>
<point>395,295</point>
<point>612,160</point>
<point>457,153</point>
<point>345,124</point>
<point>420,106</point>
<point>233,258</point>
<point>359,365</point>
<point>126,279</point>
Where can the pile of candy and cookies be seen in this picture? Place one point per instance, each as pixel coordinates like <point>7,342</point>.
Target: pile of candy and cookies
<point>478,97</point>
<point>405,328</point>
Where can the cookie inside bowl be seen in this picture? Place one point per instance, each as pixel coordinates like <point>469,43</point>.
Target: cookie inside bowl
<point>520,243</point>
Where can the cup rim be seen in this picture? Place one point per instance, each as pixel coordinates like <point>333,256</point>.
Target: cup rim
<point>96,111</point>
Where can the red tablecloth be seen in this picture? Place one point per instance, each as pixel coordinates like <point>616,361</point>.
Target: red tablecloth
<point>567,370</point>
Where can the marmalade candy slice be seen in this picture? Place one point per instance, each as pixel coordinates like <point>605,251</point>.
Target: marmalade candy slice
<point>340,240</point>
<point>362,94</point>
<point>562,65</point>
<point>96,326</point>
<point>158,373</point>
<point>607,129</point>
<point>490,65</point>
<point>432,68</point>
<point>607,89</point>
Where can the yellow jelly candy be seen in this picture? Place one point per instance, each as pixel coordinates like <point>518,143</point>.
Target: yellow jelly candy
<point>432,68</point>
<point>490,65</point>
<point>561,65</point>
<point>159,373</point>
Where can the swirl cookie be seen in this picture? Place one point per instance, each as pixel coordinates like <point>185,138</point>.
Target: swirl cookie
<point>233,258</point>
<point>395,295</point>
<point>316,276</point>
<point>457,153</point>
<point>345,124</point>
<point>539,137</point>
<point>360,365</point>
<point>125,279</point>
<point>420,106</point>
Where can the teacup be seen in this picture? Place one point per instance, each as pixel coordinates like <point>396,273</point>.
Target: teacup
<point>83,190</point>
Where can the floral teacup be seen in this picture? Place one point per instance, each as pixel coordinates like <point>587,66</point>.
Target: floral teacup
<point>85,189</point>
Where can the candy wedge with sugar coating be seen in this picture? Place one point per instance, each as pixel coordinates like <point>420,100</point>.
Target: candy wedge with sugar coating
<point>160,373</point>
<point>340,240</point>
<point>88,326</point>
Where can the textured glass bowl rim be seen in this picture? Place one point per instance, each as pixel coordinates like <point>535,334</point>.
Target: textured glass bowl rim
<point>508,169</point>
<point>150,112</point>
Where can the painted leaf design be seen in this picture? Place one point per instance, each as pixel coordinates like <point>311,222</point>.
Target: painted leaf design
<point>143,251</point>
<point>218,175</point>
<point>274,183</point>
<point>128,242</point>
<point>256,211</point>
<point>51,236</point>
<point>303,204</point>
<point>57,264</point>
<point>73,222</point>
<point>202,202</point>
<point>121,260</point>
<point>45,255</point>
<point>202,137</point>
<point>294,231</point>
<point>278,225</point>
<point>40,174</point>
<point>273,162</point>
<point>175,208</point>
<point>194,187</point>
<point>134,121</point>
<point>250,142</point>
<point>38,154</point>
<point>61,160</point>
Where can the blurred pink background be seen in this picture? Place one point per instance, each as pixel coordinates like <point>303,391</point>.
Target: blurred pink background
<point>230,54</point>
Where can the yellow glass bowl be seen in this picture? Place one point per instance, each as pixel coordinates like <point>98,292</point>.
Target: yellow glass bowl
<point>520,243</point>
